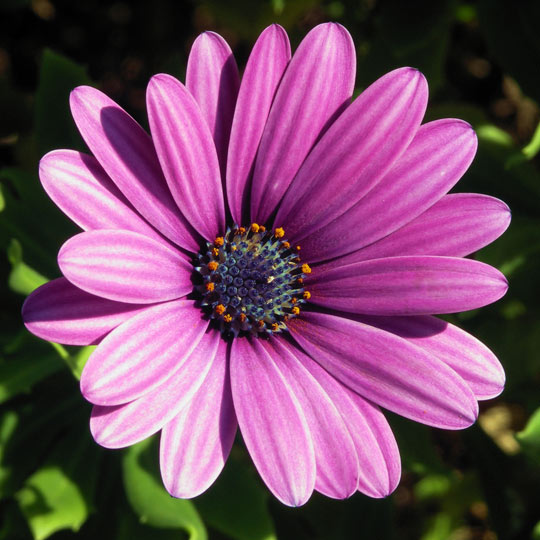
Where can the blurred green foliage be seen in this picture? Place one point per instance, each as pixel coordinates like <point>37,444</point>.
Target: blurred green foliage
<point>481,60</point>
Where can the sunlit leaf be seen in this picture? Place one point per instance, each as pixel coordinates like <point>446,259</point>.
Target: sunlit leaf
<point>148,497</point>
<point>22,278</point>
<point>529,437</point>
<point>51,501</point>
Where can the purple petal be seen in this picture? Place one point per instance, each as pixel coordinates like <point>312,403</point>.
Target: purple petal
<point>272,423</point>
<point>335,454</point>
<point>127,154</point>
<point>375,445</point>
<point>263,72</point>
<point>70,177</point>
<point>387,370</point>
<point>60,312</point>
<point>439,154</point>
<point>213,80</point>
<point>316,86</point>
<point>412,285</point>
<point>456,226</point>
<point>355,153</point>
<point>123,425</point>
<point>195,445</point>
<point>125,266</point>
<point>187,154</point>
<point>467,356</point>
<point>142,353</point>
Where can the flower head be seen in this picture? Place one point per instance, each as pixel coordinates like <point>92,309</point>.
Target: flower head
<point>271,257</point>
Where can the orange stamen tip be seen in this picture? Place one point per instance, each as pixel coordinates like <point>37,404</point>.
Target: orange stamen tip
<point>306,269</point>
<point>255,227</point>
<point>215,252</point>
<point>242,317</point>
<point>306,295</point>
<point>220,309</point>
<point>279,232</point>
<point>212,265</point>
<point>300,280</point>
<point>275,327</point>
<point>241,230</point>
<point>219,241</point>
<point>294,300</point>
<point>295,310</point>
<point>260,324</point>
<point>227,318</point>
<point>210,286</point>
<point>286,245</point>
<point>262,228</point>
<point>298,248</point>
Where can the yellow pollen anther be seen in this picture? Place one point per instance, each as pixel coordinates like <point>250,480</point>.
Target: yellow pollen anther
<point>242,317</point>
<point>300,280</point>
<point>262,228</point>
<point>275,327</point>
<point>298,248</point>
<point>210,286</point>
<point>286,245</point>
<point>241,230</point>
<point>294,300</point>
<point>260,324</point>
<point>295,310</point>
<point>220,309</point>
<point>215,252</point>
<point>219,241</point>
<point>306,295</point>
<point>227,318</point>
<point>212,265</point>
<point>233,248</point>
<point>255,227</point>
<point>306,269</point>
<point>279,232</point>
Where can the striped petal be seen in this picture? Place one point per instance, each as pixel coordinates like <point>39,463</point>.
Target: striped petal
<point>187,154</point>
<point>125,266</point>
<point>142,353</point>
<point>355,153</point>
<point>123,425</point>
<point>387,370</point>
<point>260,80</point>
<point>407,286</point>
<point>128,156</point>
<point>467,356</point>
<point>439,154</point>
<point>316,86</point>
<point>60,312</point>
<point>70,177</point>
<point>272,423</point>
<point>196,443</point>
<point>213,80</point>
<point>335,454</point>
<point>456,226</point>
<point>374,443</point>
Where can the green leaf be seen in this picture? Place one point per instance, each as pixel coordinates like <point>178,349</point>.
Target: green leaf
<point>51,501</point>
<point>20,374</point>
<point>529,437</point>
<point>22,278</point>
<point>148,497</point>
<point>27,210</point>
<point>53,122</point>
<point>236,504</point>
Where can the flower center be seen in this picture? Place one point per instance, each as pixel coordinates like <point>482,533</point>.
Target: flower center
<point>253,280</point>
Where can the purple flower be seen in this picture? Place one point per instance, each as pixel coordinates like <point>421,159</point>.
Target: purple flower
<point>271,258</point>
